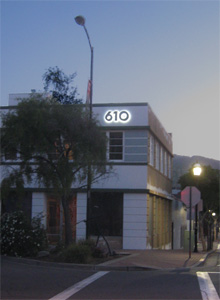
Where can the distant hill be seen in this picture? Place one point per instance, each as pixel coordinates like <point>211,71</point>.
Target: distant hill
<point>181,165</point>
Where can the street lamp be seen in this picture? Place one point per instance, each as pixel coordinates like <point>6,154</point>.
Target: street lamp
<point>197,170</point>
<point>80,20</point>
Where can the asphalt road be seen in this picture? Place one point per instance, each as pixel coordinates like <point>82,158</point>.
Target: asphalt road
<point>23,281</point>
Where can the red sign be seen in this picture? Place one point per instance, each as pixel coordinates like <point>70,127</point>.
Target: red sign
<point>88,95</point>
<point>195,196</point>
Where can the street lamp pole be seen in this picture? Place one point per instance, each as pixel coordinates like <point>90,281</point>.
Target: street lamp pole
<point>80,20</point>
<point>190,219</point>
<point>196,228</point>
<point>196,171</point>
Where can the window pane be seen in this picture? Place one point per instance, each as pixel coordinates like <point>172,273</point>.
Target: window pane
<point>116,142</point>
<point>115,145</point>
<point>116,156</point>
<point>116,149</point>
<point>116,135</point>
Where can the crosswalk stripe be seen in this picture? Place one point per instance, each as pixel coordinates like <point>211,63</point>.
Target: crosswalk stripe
<point>78,286</point>
<point>207,288</point>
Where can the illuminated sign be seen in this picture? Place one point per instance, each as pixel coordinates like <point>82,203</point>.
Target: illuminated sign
<point>117,116</point>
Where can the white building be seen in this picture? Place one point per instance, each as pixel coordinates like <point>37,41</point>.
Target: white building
<point>134,205</point>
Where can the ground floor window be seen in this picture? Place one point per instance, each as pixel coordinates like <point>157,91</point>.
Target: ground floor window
<point>159,216</point>
<point>53,216</point>
<point>106,214</point>
<point>14,202</point>
<point>56,220</point>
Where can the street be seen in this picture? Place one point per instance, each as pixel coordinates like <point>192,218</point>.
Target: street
<point>26,281</point>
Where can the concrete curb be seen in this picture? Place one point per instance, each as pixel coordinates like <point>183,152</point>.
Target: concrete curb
<point>75,266</point>
<point>202,260</point>
<point>106,266</point>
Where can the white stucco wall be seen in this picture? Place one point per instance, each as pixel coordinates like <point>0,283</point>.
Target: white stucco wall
<point>138,114</point>
<point>179,216</point>
<point>135,221</point>
<point>124,177</point>
<point>81,215</point>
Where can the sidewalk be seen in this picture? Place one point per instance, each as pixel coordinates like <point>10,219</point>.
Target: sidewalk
<point>133,260</point>
<point>158,259</point>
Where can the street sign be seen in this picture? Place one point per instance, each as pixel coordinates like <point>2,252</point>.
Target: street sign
<point>195,196</point>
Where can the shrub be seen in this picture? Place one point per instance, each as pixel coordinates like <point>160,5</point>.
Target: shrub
<point>97,252</point>
<point>20,236</point>
<point>77,253</point>
<point>89,243</point>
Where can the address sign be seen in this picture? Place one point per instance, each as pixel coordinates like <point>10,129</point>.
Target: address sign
<point>117,116</point>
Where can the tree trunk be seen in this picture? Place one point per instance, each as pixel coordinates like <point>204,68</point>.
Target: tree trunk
<point>204,248</point>
<point>209,237</point>
<point>68,225</point>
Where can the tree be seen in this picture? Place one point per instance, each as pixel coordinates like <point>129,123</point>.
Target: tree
<point>59,84</point>
<point>55,143</point>
<point>208,185</point>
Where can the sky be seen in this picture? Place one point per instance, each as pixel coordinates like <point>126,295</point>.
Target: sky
<point>165,53</point>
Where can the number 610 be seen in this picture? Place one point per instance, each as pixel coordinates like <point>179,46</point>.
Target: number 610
<point>116,116</point>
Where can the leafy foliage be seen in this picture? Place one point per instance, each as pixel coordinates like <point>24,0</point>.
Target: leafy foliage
<point>20,236</point>
<point>77,253</point>
<point>55,144</point>
<point>82,252</point>
<point>60,83</point>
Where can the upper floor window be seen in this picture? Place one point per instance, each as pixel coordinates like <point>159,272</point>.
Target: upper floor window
<point>151,150</point>
<point>116,145</point>
<point>169,167</point>
<point>165,164</point>
<point>157,156</point>
<point>161,160</point>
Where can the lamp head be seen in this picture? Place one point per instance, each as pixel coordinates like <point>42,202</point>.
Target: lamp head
<point>197,170</point>
<point>80,20</point>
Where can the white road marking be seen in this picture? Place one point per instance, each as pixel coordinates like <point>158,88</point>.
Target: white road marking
<point>207,288</point>
<point>78,286</point>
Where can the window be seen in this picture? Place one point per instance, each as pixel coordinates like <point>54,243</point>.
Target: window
<point>116,145</point>
<point>151,150</point>
<point>169,167</point>
<point>106,214</point>
<point>161,159</point>
<point>157,156</point>
<point>165,163</point>
<point>53,218</point>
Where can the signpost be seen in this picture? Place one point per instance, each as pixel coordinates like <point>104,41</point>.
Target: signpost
<point>191,197</point>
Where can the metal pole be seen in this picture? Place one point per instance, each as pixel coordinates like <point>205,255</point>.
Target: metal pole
<point>91,79</point>
<point>91,70</point>
<point>89,175</point>
<point>196,224</point>
<point>190,217</point>
<point>80,20</point>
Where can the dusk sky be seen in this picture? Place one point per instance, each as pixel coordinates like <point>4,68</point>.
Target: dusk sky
<point>165,53</point>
